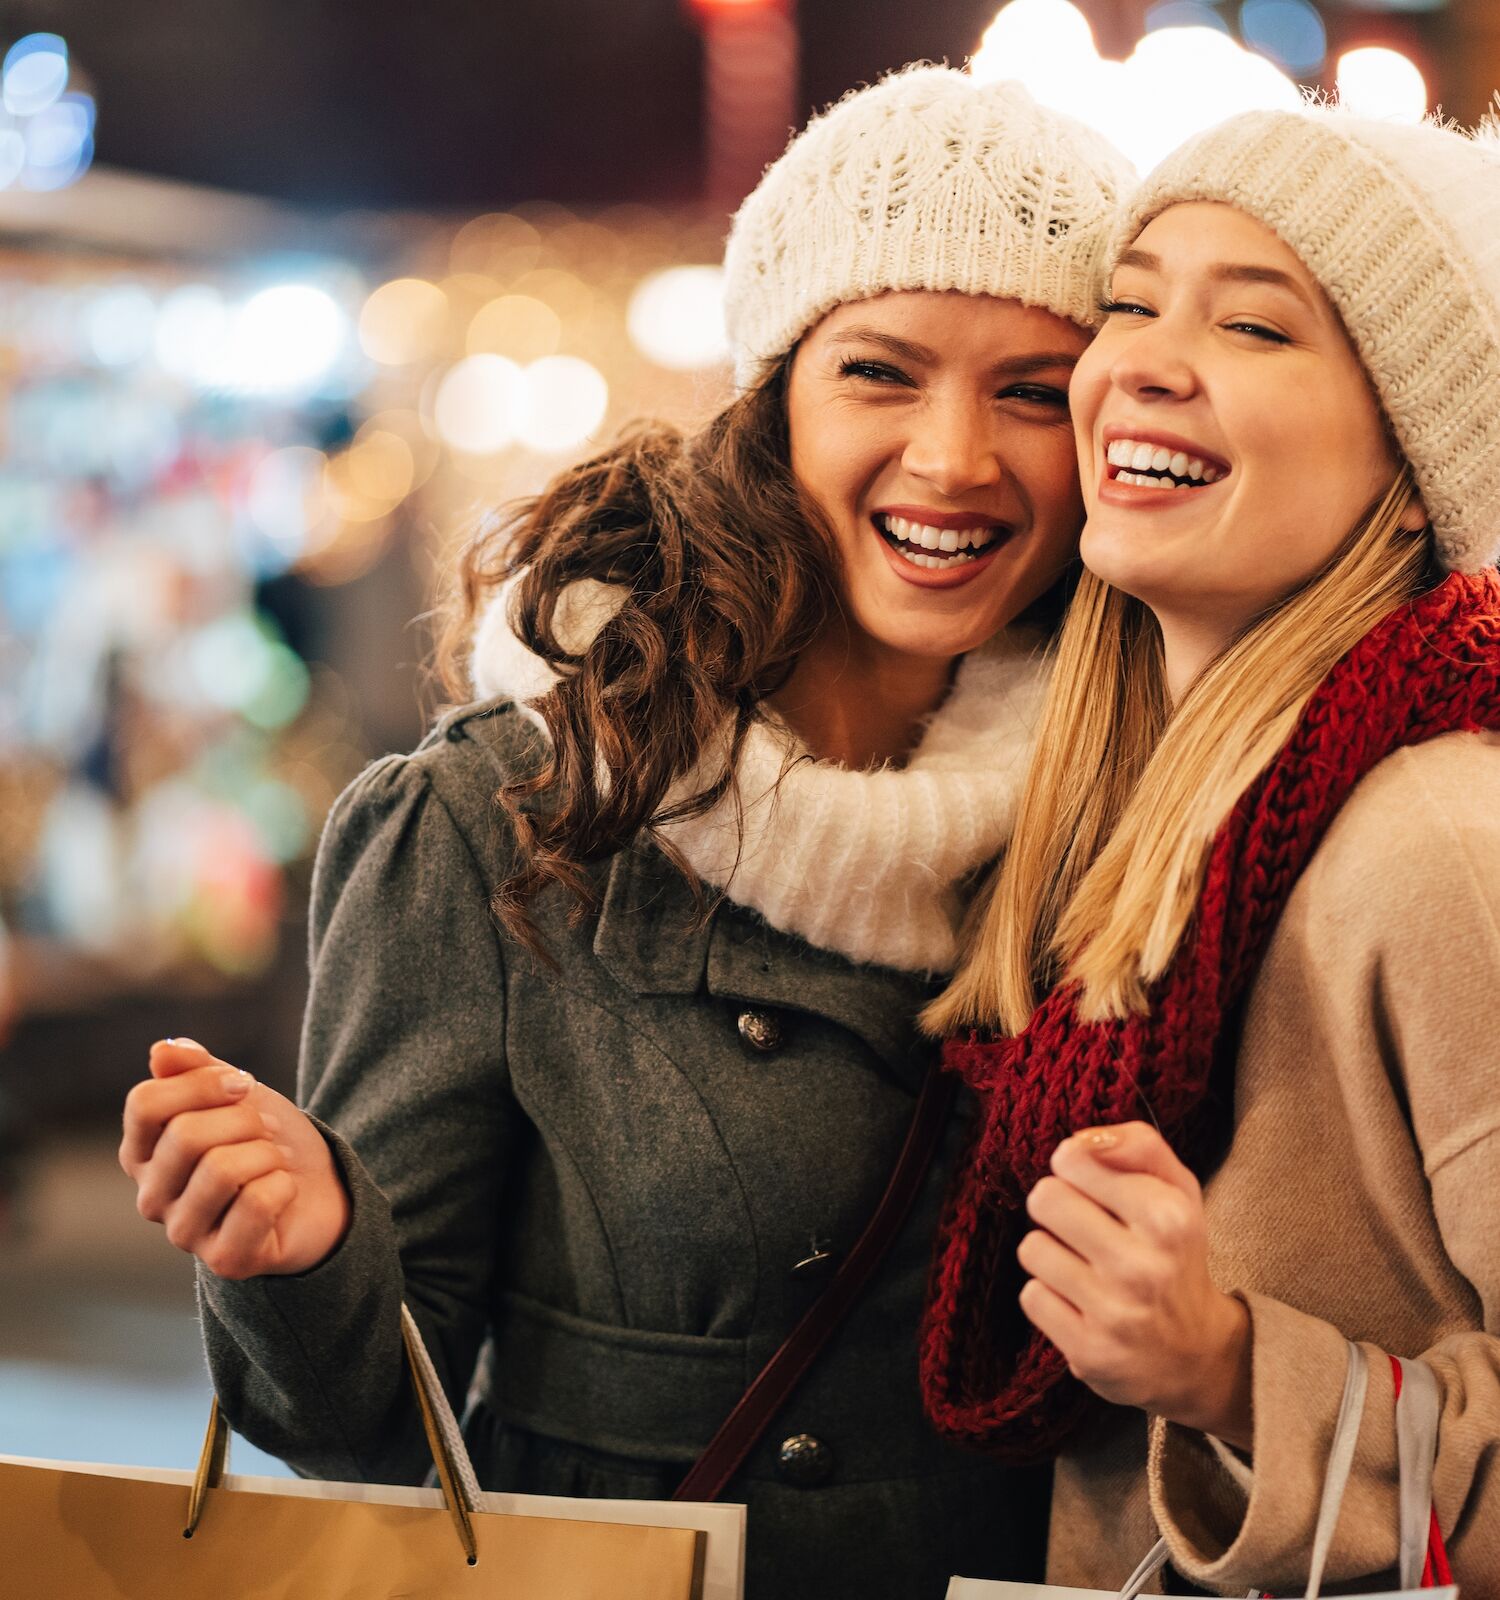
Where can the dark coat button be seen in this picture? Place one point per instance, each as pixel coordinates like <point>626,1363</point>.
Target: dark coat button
<point>804,1462</point>
<point>761,1030</point>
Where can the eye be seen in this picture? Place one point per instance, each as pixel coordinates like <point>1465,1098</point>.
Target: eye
<point>1258,331</point>
<point>1037,394</point>
<point>1125,308</point>
<point>872,372</point>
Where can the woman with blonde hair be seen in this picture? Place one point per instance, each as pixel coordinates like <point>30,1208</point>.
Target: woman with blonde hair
<point>1230,1009</point>
<point>610,1050</point>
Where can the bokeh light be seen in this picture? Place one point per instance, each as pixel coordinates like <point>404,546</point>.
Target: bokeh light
<point>285,340</point>
<point>676,318</point>
<point>119,325</point>
<point>478,403</point>
<point>1376,82</point>
<point>34,75</point>
<point>286,501</point>
<point>563,401</point>
<point>192,334</point>
<point>403,321</point>
<point>1177,81</point>
<point>516,325</point>
<point>1291,32</point>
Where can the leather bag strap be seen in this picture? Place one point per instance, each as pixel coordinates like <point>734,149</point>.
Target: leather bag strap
<point>741,1431</point>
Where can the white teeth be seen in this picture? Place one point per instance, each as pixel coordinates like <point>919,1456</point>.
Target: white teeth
<point>1138,455</point>
<point>914,536</point>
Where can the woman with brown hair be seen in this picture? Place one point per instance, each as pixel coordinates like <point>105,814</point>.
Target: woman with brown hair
<point>1241,1086</point>
<point>609,1051</point>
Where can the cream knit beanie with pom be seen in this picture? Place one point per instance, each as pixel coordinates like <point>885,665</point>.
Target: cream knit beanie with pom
<point>1400,224</point>
<point>926,180</point>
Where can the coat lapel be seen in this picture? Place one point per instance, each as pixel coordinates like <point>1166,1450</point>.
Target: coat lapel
<point>651,939</point>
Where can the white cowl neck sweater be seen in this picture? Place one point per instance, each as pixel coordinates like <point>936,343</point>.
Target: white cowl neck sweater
<point>873,865</point>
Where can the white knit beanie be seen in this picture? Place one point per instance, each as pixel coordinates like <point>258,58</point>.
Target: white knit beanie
<point>1400,224</point>
<point>926,180</point>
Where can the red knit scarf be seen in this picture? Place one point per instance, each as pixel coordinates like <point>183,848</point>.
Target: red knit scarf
<point>1432,667</point>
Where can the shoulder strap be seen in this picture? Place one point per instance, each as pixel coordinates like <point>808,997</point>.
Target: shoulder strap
<point>744,1426</point>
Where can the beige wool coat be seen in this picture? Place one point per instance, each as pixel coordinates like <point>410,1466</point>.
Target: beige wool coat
<point>1360,1198</point>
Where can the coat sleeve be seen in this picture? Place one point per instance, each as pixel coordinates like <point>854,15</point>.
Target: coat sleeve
<point>403,1067</point>
<point>1232,1522</point>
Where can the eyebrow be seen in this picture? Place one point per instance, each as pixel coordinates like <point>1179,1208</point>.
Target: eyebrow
<point>1225,272</point>
<point>908,350</point>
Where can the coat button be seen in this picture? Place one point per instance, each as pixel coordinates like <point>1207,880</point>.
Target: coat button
<point>804,1461</point>
<point>761,1030</point>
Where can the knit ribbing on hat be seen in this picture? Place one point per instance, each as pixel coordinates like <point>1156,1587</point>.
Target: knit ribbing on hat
<point>1400,225</point>
<point>926,180</point>
<point>872,865</point>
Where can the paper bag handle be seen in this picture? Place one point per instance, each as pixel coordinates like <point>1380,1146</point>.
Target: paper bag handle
<point>455,1471</point>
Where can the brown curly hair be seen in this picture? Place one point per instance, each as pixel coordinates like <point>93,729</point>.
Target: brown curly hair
<point>729,574</point>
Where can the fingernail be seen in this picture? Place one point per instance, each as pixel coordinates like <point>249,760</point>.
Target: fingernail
<point>271,1123</point>
<point>183,1044</point>
<point>1100,1139</point>
<point>235,1083</point>
<point>287,1152</point>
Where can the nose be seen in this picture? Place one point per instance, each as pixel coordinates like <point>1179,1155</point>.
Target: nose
<point>1154,364</point>
<point>954,446</point>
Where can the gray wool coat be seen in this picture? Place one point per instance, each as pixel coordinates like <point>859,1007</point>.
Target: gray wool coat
<point>595,1197</point>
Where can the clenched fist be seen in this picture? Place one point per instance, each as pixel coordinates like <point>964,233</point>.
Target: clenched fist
<point>237,1175</point>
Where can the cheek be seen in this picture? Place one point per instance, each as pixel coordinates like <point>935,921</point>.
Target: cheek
<point>833,459</point>
<point>1046,471</point>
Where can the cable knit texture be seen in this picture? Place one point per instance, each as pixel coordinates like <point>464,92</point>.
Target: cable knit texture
<point>872,865</point>
<point>1432,667</point>
<point>926,180</point>
<point>1400,224</point>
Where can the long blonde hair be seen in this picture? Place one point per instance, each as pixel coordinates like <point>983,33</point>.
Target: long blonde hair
<point>1125,793</point>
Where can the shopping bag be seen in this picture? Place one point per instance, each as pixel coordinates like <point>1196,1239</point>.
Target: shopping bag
<point>91,1532</point>
<point>1422,1562</point>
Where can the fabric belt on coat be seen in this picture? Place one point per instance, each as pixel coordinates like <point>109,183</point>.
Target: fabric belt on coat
<point>660,1397</point>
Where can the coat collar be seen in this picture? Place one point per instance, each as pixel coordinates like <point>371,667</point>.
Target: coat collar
<point>651,939</point>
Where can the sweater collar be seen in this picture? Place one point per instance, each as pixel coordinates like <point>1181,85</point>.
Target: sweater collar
<point>874,866</point>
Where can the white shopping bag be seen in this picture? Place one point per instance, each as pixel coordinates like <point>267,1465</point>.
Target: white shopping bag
<point>1416,1427</point>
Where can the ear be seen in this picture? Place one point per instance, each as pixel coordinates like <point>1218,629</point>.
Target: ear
<point>1414,519</point>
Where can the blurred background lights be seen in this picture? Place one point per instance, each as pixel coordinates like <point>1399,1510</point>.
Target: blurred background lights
<point>1376,82</point>
<point>55,128</point>
<point>1289,31</point>
<point>285,340</point>
<point>58,139</point>
<point>403,321</point>
<point>564,400</point>
<point>676,317</point>
<point>1184,14</point>
<point>515,325</point>
<point>285,501</point>
<point>119,325</point>
<point>192,334</point>
<point>12,156</point>
<point>1185,75</point>
<point>478,404</point>
<point>34,75</point>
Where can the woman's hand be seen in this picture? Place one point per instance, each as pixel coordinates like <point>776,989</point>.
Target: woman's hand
<point>1120,1283</point>
<point>235,1172</point>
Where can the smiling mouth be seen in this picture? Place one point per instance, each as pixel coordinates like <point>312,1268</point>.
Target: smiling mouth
<point>1154,466</point>
<point>936,549</point>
